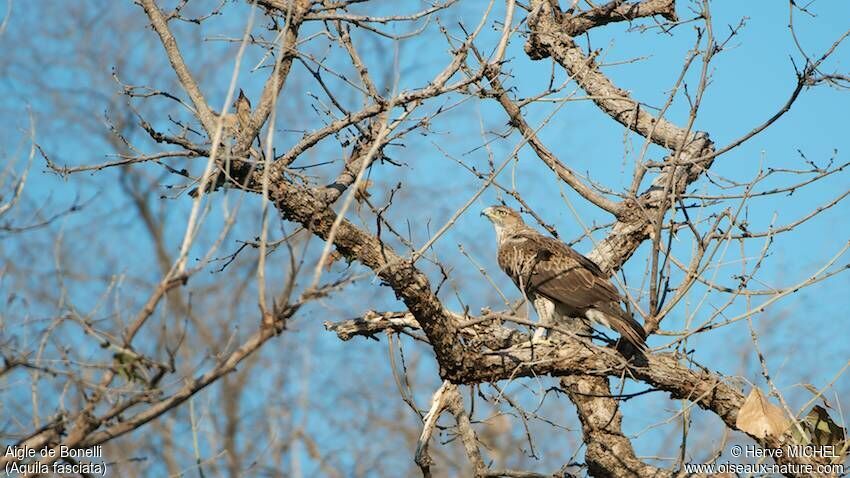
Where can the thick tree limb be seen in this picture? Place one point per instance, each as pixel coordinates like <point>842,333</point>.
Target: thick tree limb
<point>579,358</point>
<point>609,452</point>
<point>549,40</point>
<point>616,11</point>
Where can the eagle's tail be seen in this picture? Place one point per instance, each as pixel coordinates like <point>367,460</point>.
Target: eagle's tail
<point>632,331</point>
<point>623,324</point>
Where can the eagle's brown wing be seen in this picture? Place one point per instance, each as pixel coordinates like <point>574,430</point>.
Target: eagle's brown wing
<point>543,265</point>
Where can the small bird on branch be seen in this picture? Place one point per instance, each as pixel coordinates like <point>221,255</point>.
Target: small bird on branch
<point>233,125</point>
<point>243,112</point>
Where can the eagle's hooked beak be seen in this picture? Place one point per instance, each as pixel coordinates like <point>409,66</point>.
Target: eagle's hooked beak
<point>486,212</point>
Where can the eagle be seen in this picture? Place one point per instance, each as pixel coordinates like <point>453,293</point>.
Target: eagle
<point>559,282</point>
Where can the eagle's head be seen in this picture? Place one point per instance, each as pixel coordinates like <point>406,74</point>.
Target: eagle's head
<point>504,219</point>
<point>502,215</point>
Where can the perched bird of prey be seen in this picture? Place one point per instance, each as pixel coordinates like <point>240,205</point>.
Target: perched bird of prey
<point>234,123</point>
<point>228,125</point>
<point>560,282</point>
<point>232,126</point>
